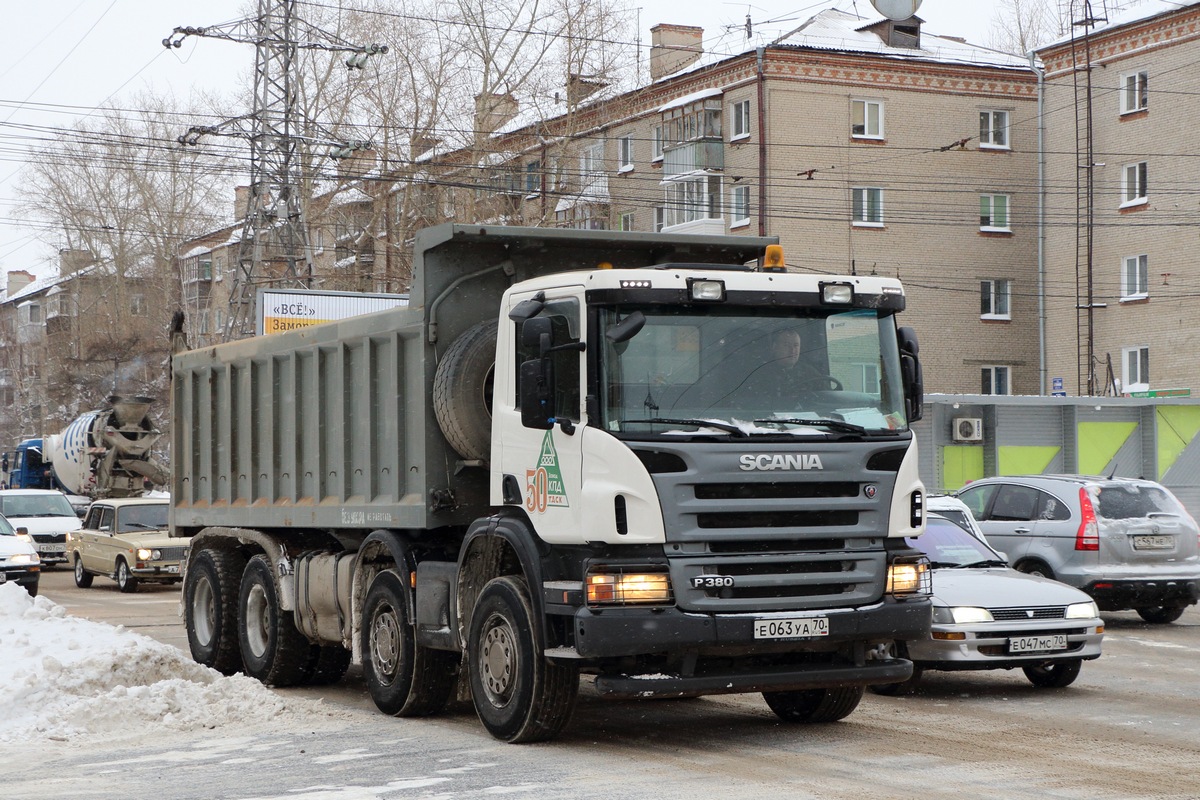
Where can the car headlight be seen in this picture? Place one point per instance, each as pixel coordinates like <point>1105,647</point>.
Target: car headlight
<point>967,614</point>
<point>24,558</point>
<point>1083,611</point>
<point>628,587</point>
<point>143,554</point>
<point>25,537</point>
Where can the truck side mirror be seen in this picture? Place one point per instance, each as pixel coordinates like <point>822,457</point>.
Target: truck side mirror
<point>910,369</point>
<point>537,334</point>
<point>536,387</point>
<point>627,328</point>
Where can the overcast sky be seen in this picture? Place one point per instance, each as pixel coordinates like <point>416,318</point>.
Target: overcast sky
<point>61,58</point>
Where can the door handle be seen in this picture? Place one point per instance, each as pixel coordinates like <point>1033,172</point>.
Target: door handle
<point>1020,530</point>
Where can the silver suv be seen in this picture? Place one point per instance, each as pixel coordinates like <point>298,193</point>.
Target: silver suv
<point>1128,543</point>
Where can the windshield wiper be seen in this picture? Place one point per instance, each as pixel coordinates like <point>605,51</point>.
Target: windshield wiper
<point>142,526</point>
<point>699,423</point>
<point>987,562</point>
<point>833,424</point>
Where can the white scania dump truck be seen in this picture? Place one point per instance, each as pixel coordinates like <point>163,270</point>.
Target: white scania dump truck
<point>574,452</point>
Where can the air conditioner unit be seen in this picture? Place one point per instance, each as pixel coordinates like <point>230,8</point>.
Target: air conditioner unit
<point>968,429</point>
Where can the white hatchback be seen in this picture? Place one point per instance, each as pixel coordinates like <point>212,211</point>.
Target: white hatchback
<point>47,515</point>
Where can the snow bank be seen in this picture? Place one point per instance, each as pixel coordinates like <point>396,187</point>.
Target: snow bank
<point>66,677</point>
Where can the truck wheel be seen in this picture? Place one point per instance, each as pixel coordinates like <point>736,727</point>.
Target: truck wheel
<point>273,650</point>
<point>519,694</point>
<point>814,705</point>
<point>462,392</point>
<point>83,578</point>
<point>1054,676</point>
<point>210,594</point>
<point>1161,615</point>
<point>125,580</point>
<point>327,664</point>
<point>405,679</point>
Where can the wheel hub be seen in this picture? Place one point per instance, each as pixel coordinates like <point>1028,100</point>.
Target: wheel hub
<point>258,620</point>
<point>385,643</point>
<point>498,660</point>
<point>204,614</point>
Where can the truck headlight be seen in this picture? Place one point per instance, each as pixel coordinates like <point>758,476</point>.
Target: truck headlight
<point>1083,611</point>
<point>907,577</point>
<point>143,554</point>
<point>621,588</point>
<point>964,615</point>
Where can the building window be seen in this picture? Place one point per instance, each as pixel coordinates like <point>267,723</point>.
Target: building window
<point>995,380</point>
<point>553,173</point>
<point>866,119</point>
<point>1135,92</point>
<point>627,221</point>
<point>868,207</point>
<point>591,160</point>
<point>1135,283</point>
<point>693,198</point>
<point>993,213</point>
<point>625,153</point>
<point>741,120</point>
<point>660,218</point>
<point>1133,184</point>
<point>656,146</point>
<point>1135,371</point>
<point>739,206</point>
<point>137,305</point>
<point>993,129</point>
<point>995,299</point>
<point>533,177</point>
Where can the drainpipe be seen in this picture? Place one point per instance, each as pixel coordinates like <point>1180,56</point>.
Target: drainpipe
<point>1041,226</point>
<point>762,146</point>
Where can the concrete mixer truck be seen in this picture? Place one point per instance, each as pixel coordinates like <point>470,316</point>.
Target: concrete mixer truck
<point>103,453</point>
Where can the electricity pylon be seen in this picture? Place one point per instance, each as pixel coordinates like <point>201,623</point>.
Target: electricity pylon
<point>276,131</point>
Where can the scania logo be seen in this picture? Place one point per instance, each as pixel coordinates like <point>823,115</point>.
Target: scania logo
<point>870,490</point>
<point>773,461</point>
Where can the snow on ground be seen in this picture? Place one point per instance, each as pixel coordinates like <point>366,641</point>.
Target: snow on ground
<point>66,677</point>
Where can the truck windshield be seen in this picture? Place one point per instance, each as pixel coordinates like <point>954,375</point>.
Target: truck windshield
<point>752,372</point>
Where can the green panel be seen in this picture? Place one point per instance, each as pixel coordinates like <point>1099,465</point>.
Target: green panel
<point>1025,460</point>
<point>1177,427</point>
<point>1099,443</point>
<point>961,464</point>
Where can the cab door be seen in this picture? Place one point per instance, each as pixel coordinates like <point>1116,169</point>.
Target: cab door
<point>545,466</point>
<point>97,539</point>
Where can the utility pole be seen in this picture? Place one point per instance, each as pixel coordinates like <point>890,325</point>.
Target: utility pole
<point>273,249</point>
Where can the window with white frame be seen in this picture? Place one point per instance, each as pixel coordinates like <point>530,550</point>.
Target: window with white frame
<point>1135,92</point>
<point>1135,369</point>
<point>993,213</point>
<point>1135,274</point>
<point>660,218</point>
<point>867,208</point>
<point>554,178</point>
<point>741,120</point>
<point>739,206</point>
<point>693,198</point>
<point>1133,184</point>
<point>995,299</point>
<point>995,380</point>
<point>533,177</point>
<point>626,221</point>
<point>137,305</point>
<point>591,160</point>
<point>656,143</point>
<point>625,153</point>
<point>993,129</point>
<point>866,119</point>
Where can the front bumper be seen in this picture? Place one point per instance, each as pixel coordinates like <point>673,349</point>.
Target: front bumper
<point>631,631</point>
<point>156,572</point>
<point>26,578</point>
<point>986,645</point>
<point>1118,595</point>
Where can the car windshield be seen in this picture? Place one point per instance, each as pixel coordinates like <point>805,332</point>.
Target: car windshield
<point>957,517</point>
<point>1134,501</point>
<point>713,370</point>
<point>948,545</point>
<point>6,528</point>
<point>35,505</point>
<point>142,518</point>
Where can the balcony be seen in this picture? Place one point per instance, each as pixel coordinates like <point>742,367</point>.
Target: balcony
<point>693,156</point>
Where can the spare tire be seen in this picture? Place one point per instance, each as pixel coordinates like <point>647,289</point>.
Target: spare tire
<point>462,392</point>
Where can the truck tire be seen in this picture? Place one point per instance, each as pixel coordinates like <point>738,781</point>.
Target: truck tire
<point>83,578</point>
<point>126,581</point>
<point>519,694</point>
<point>210,594</point>
<point>462,392</point>
<point>404,678</point>
<point>273,650</point>
<point>327,664</point>
<point>814,705</point>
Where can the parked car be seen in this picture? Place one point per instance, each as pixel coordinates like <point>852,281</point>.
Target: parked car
<point>46,514</point>
<point>126,540</point>
<point>955,510</point>
<point>19,561</point>
<point>987,615</point>
<point>1128,543</point>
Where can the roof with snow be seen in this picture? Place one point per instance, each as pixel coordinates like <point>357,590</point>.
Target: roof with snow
<point>1139,12</point>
